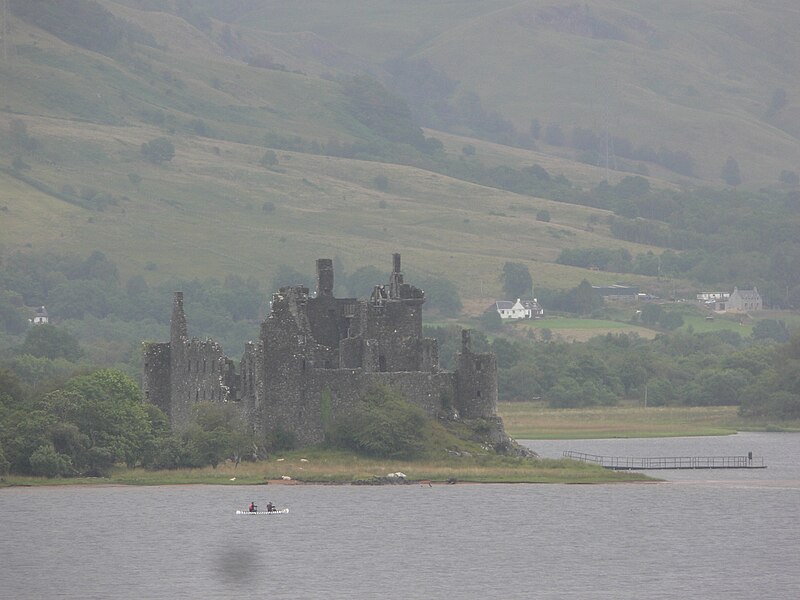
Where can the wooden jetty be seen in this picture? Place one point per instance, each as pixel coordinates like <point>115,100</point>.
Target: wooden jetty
<point>628,463</point>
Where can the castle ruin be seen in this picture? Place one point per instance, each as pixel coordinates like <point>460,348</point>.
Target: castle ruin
<point>316,357</point>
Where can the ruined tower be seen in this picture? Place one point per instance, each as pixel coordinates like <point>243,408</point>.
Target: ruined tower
<point>476,381</point>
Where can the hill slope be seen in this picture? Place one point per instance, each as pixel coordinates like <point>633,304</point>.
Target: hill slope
<point>79,108</point>
<point>713,78</point>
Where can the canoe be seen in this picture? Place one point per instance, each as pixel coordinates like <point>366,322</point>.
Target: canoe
<point>277,511</point>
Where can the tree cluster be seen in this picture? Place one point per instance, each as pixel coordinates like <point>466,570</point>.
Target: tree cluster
<point>94,422</point>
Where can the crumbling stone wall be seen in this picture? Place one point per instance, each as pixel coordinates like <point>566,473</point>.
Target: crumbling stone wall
<point>315,359</point>
<point>476,390</point>
<point>156,381</point>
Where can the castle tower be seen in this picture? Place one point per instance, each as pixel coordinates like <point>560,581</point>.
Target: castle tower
<point>476,381</point>
<point>324,277</point>
<point>396,278</point>
<point>177,327</point>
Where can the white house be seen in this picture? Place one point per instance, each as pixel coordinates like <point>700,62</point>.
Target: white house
<point>40,316</point>
<point>713,296</point>
<point>521,309</point>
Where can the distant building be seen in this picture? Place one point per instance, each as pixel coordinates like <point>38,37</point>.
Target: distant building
<point>741,301</point>
<point>521,309</point>
<point>713,296</point>
<point>40,316</point>
<point>627,293</point>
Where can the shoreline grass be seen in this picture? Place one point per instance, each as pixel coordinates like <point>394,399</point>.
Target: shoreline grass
<point>334,467</point>
<point>534,421</point>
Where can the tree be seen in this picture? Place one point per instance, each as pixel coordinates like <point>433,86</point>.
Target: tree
<point>507,352</point>
<point>730,172</point>
<point>670,320</point>
<point>383,424</point>
<point>771,329</point>
<point>440,294</point>
<point>106,406</point>
<point>46,462</point>
<point>270,159</point>
<point>48,341</point>
<point>10,389</point>
<point>158,151</point>
<point>363,279</point>
<point>553,135</point>
<point>585,298</point>
<point>517,282</point>
<point>491,320</point>
<point>287,276</point>
<point>12,316</point>
<point>651,314</point>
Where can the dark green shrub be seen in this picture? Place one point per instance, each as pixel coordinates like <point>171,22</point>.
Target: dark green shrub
<point>383,424</point>
<point>46,462</point>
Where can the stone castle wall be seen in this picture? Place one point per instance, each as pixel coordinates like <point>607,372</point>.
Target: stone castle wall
<point>315,358</point>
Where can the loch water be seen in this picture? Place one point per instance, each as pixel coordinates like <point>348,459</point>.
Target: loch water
<point>719,534</point>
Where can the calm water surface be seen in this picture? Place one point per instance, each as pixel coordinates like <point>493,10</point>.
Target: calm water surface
<point>703,534</point>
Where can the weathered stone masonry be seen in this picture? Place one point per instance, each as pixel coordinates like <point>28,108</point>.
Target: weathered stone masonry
<point>315,358</point>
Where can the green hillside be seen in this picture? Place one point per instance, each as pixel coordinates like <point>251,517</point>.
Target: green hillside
<point>202,213</point>
<point>352,175</point>
<point>713,78</point>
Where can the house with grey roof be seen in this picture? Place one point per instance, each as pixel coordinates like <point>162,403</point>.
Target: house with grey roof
<point>521,309</point>
<point>742,301</point>
<point>40,316</point>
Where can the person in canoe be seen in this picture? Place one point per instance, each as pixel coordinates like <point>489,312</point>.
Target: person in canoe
<point>270,507</point>
<point>253,507</point>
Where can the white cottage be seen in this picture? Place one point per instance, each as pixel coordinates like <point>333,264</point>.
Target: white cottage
<point>40,316</point>
<point>521,309</point>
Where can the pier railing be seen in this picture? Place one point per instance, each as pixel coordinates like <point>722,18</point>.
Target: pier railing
<point>747,461</point>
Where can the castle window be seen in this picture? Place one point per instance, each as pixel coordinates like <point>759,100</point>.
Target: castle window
<point>147,394</point>
<point>382,363</point>
<point>204,395</point>
<point>197,395</point>
<point>478,394</point>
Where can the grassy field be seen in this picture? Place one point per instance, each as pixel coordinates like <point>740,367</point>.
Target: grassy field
<point>314,466</point>
<point>526,420</point>
<point>578,330</point>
